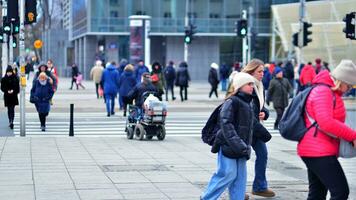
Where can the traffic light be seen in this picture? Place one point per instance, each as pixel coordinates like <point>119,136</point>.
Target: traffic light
<point>1,35</point>
<point>306,33</point>
<point>15,27</point>
<point>12,9</point>
<point>6,26</point>
<point>349,29</point>
<point>295,39</point>
<point>241,28</point>
<point>14,42</point>
<point>189,33</point>
<point>188,36</point>
<point>30,11</point>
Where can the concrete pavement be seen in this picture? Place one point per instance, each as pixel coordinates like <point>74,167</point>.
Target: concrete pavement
<point>179,167</point>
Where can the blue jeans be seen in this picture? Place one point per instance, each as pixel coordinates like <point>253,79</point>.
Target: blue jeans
<point>231,173</point>
<point>110,103</point>
<point>260,181</point>
<point>223,84</point>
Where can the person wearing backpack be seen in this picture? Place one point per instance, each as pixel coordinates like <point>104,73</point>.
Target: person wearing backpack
<point>278,92</point>
<point>170,76</point>
<point>233,141</point>
<point>319,147</point>
<point>260,185</point>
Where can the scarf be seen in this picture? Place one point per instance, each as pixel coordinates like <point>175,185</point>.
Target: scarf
<point>260,92</point>
<point>43,82</point>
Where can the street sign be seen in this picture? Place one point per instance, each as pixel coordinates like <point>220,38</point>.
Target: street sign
<point>38,44</point>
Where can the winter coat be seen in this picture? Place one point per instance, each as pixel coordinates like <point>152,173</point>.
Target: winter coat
<point>75,71</point>
<point>126,83</point>
<point>138,90</point>
<point>267,77</point>
<point>224,72</point>
<point>160,84</point>
<point>330,118</point>
<point>278,92</point>
<point>139,71</point>
<point>182,77</point>
<point>170,75</point>
<point>42,95</point>
<point>213,77</point>
<point>288,71</point>
<point>28,68</point>
<point>236,121</point>
<point>95,73</point>
<point>307,75</point>
<point>10,83</point>
<point>110,80</point>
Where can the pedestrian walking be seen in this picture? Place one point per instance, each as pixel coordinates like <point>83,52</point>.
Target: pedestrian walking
<point>95,74</point>
<point>75,71</point>
<point>79,80</point>
<point>278,93</point>
<point>157,79</point>
<point>306,76</point>
<point>233,142</point>
<point>28,69</point>
<point>126,83</point>
<point>110,81</point>
<point>41,94</point>
<point>10,87</point>
<point>267,77</point>
<point>140,69</point>
<point>170,76</point>
<point>318,66</point>
<point>213,79</point>
<point>52,79</point>
<point>288,73</point>
<point>224,72</point>
<point>53,70</point>
<point>182,80</point>
<point>260,185</point>
<point>123,63</point>
<point>319,148</point>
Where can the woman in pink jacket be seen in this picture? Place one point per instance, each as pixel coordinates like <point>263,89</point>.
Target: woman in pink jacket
<point>318,150</point>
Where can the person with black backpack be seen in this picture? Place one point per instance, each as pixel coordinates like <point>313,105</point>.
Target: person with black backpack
<point>233,141</point>
<point>325,116</point>
<point>170,76</point>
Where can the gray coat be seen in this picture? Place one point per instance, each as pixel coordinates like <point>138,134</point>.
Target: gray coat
<point>278,92</point>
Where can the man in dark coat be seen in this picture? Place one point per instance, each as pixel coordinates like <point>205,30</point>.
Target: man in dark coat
<point>182,80</point>
<point>75,72</point>
<point>213,79</point>
<point>126,83</point>
<point>10,87</point>
<point>278,92</point>
<point>170,75</point>
<point>224,72</point>
<point>137,92</point>
<point>140,69</point>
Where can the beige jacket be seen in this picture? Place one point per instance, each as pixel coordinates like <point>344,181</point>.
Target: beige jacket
<point>96,72</point>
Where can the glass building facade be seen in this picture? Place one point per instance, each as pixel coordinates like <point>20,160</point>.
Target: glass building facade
<point>107,21</point>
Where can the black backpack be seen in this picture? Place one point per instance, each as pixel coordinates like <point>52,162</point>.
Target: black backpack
<point>292,125</point>
<point>211,127</point>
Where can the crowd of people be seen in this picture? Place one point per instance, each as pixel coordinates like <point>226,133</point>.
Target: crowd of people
<point>118,80</point>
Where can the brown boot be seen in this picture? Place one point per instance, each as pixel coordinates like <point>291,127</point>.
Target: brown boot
<point>265,193</point>
<point>247,197</point>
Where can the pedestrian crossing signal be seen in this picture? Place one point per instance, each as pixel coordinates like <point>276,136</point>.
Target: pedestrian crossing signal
<point>241,28</point>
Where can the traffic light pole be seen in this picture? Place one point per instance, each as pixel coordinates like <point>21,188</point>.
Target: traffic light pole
<point>22,69</point>
<point>244,42</point>
<point>249,33</point>
<point>186,24</point>
<point>11,48</point>
<point>300,35</point>
<point>4,56</point>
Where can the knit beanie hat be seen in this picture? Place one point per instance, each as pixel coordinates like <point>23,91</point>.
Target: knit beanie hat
<point>277,70</point>
<point>345,72</point>
<point>214,65</point>
<point>242,79</point>
<point>9,69</point>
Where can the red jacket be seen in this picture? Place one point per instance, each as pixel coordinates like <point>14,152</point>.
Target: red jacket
<point>307,75</point>
<point>320,107</point>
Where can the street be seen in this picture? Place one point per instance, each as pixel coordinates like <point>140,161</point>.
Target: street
<point>100,163</point>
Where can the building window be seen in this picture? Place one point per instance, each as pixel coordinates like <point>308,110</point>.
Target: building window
<point>114,2</point>
<point>114,14</point>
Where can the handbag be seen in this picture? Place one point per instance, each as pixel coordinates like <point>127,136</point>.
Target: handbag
<point>346,149</point>
<point>32,99</point>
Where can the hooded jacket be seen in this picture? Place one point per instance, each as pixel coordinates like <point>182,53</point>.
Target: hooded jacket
<point>10,83</point>
<point>110,80</point>
<point>126,83</point>
<point>330,119</point>
<point>96,72</point>
<point>307,75</point>
<point>182,78</point>
<point>42,94</point>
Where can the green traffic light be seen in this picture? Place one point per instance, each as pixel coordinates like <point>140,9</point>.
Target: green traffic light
<point>187,39</point>
<point>243,31</point>
<point>7,28</point>
<point>14,45</point>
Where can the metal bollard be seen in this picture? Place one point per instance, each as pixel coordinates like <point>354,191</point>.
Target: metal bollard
<point>71,125</point>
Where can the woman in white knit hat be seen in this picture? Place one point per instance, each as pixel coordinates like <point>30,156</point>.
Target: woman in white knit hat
<point>319,148</point>
<point>233,141</point>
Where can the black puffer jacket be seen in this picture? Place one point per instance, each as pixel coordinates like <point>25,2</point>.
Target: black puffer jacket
<point>236,126</point>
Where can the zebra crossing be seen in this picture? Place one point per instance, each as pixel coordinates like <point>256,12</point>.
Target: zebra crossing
<point>98,124</point>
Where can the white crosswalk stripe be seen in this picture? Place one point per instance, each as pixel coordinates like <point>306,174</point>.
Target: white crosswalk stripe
<point>98,124</point>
